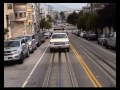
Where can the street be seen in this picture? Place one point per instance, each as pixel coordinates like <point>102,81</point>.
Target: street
<point>87,64</point>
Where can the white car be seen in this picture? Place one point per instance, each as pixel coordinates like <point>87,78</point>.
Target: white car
<point>59,41</point>
<point>82,33</point>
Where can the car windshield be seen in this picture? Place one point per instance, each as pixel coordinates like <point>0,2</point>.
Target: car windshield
<point>11,43</point>
<point>59,36</point>
<point>28,38</point>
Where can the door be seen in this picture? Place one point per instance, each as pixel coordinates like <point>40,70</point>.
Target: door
<point>24,47</point>
<point>33,41</point>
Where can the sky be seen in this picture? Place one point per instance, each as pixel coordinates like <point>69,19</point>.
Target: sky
<point>64,6</point>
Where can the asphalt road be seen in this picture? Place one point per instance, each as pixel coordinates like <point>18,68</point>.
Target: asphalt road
<point>86,65</point>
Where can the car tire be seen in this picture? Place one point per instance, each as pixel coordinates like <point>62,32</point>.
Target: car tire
<point>36,47</point>
<point>102,43</point>
<point>28,53</point>
<point>88,39</point>
<point>98,42</point>
<point>32,51</point>
<point>21,59</point>
<point>51,50</point>
<point>68,49</point>
<point>106,45</point>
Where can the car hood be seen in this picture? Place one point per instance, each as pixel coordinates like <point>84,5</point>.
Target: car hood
<point>59,40</point>
<point>11,48</point>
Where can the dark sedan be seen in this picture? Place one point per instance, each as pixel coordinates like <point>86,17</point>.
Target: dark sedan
<point>90,36</point>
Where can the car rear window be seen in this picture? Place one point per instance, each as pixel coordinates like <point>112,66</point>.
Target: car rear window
<point>59,36</point>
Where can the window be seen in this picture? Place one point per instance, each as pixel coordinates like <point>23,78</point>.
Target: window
<point>24,14</point>
<point>59,36</point>
<point>9,5</point>
<point>15,14</point>
<point>22,41</point>
<point>20,14</point>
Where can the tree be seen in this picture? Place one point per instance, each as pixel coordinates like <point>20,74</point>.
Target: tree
<point>48,25</point>
<point>72,18</point>
<point>81,23</point>
<point>6,31</point>
<point>91,22</point>
<point>42,23</point>
<point>62,15</point>
<point>45,24</point>
<point>107,16</point>
<point>49,18</point>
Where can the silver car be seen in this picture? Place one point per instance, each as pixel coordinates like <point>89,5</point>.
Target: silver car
<point>15,49</point>
<point>102,39</point>
<point>111,40</point>
<point>31,41</point>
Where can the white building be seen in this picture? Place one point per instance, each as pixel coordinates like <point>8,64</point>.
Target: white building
<point>44,13</point>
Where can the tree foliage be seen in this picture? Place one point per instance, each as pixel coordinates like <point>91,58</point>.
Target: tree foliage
<point>45,24</point>
<point>107,16</point>
<point>62,15</point>
<point>49,18</point>
<point>72,18</point>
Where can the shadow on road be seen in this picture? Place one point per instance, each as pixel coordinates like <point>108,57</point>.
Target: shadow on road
<point>9,63</point>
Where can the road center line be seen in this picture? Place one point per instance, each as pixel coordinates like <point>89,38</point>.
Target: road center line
<point>92,78</point>
<point>24,84</point>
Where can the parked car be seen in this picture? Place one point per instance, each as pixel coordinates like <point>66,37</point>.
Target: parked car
<point>31,41</point>
<point>59,41</point>
<point>47,34</point>
<point>77,32</point>
<point>42,37</point>
<point>74,32</point>
<point>101,39</point>
<point>90,36</point>
<point>111,40</point>
<point>15,49</point>
<point>82,34</point>
<point>37,39</point>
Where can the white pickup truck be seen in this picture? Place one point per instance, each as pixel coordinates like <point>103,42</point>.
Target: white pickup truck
<point>59,41</point>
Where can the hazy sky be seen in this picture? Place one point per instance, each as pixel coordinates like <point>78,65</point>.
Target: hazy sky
<point>64,6</point>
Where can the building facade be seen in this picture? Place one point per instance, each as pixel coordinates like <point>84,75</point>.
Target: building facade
<point>8,17</point>
<point>21,18</point>
<point>20,12</point>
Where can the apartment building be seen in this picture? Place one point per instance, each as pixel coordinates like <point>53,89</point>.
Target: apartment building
<point>20,20</point>
<point>29,23</point>
<point>36,16</point>
<point>44,13</point>
<point>8,17</point>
